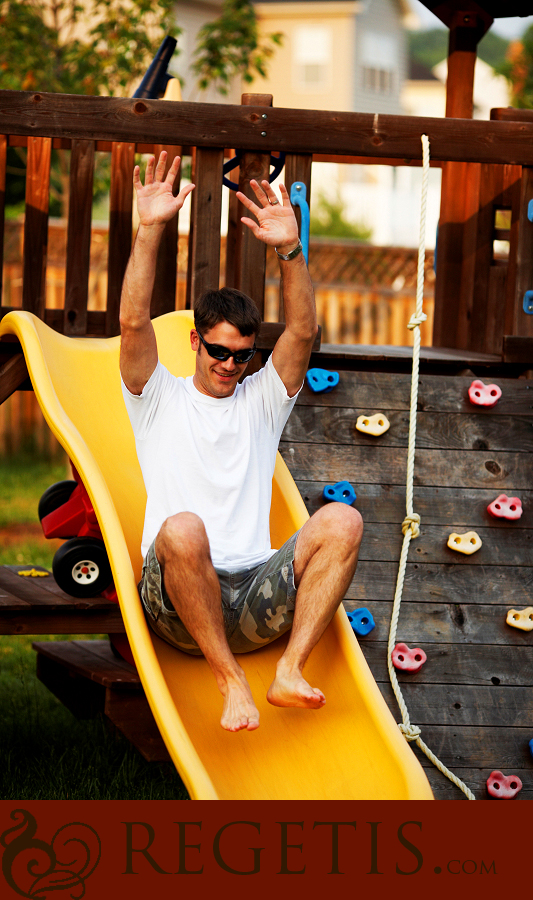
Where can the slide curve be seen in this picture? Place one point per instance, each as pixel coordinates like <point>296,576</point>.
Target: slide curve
<point>351,749</point>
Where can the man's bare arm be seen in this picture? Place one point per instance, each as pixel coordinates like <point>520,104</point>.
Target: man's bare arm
<point>276,225</point>
<point>156,205</point>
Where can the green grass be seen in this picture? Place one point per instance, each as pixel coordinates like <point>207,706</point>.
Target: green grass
<point>23,480</point>
<point>48,754</point>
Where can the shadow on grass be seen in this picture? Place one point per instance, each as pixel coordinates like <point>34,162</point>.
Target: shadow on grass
<point>47,754</point>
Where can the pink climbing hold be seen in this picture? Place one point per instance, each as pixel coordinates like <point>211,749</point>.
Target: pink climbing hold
<point>503,787</point>
<point>408,660</point>
<point>505,507</point>
<point>484,394</point>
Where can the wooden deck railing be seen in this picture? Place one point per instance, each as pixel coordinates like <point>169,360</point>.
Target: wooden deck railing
<point>82,126</point>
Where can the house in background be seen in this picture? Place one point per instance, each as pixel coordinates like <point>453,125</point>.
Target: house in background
<point>424,92</point>
<point>351,56</point>
<point>346,55</point>
<point>337,54</point>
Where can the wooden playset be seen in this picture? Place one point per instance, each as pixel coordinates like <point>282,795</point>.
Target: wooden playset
<point>471,698</point>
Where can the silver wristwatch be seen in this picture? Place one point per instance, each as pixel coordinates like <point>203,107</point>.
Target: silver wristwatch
<point>298,249</point>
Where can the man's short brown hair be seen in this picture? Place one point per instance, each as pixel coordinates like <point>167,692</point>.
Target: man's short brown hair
<point>226,305</point>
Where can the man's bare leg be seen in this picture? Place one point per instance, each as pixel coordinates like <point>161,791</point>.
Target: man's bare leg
<point>192,585</point>
<point>324,564</point>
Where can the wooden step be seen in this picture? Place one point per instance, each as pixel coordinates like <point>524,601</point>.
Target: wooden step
<point>90,680</point>
<point>36,605</point>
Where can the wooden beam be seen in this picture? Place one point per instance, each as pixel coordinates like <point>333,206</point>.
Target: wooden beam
<point>164,292</point>
<point>518,349</point>
<point>459,197</point>
<point>20,140</point>
<point>511,114</point>
<point>250,254</point>
<point>203,270</point>
<point>3,161</point>
<point>522,322</point>
<point>79,237</point>
<point>120,229</point>
<point>292,130</point>
<point>297,168</point>
<point>271,331</point>
<point>36,225</point>
<point>12,374</point>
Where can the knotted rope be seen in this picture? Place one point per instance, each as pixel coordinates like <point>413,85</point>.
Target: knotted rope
<point>411,523</point>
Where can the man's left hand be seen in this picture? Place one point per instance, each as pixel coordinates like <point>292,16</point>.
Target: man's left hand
<point>276,223</point>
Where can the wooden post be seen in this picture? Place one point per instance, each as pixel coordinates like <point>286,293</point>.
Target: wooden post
<point>36,225</point>
<point>522,324</point>
<point>203,270</point>
<point>120,229</point>
<point>297,168</point>
<point>3,160</point>
<point>250,254</point>
<point>459,201</point>
<point>164,292</point>
<point>79,237</point>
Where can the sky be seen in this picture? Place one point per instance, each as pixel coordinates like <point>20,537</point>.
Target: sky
<point>513,27</point>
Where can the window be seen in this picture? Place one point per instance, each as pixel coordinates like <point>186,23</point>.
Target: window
<point>379,62</point>
<point>312,57</point>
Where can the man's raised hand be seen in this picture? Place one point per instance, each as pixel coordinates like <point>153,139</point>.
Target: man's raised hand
<point>276,223</point>
<point>156,204</point>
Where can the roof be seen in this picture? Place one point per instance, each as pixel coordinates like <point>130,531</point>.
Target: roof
<point>444,9</point>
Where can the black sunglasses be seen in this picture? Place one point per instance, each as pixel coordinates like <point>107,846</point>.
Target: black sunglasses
<point>222,353</point>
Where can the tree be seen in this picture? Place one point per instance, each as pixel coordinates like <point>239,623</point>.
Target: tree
<point>328,221</point>
<point>231,45</point>
<point>104,47</point>
<point>518,69</point>
<point>64,46</point>
<point>431,47</point>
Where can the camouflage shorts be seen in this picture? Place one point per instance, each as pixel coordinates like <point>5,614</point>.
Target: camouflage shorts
<point>257,603</point>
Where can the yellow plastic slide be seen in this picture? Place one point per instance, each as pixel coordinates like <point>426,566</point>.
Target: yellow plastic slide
<point>351,749</point>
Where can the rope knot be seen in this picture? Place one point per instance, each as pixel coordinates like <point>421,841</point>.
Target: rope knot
<point>416,320</point>
<point>410,732</point>
<point>411,522</point>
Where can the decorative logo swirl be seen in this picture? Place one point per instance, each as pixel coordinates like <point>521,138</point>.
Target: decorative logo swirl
<point>34,868</point>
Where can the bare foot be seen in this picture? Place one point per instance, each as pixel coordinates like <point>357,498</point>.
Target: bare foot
<point>291,689</point>
<point>240,712</point>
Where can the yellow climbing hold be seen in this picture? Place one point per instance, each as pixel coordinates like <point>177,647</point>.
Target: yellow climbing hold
<point>33,573</point>
<point>374,425</point>
<point>464,543</point>
<point>521,618</point>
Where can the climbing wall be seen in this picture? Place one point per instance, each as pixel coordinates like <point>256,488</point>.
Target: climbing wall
<point>472,699</point>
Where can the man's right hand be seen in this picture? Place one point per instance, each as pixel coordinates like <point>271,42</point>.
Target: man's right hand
<point>156,204</point>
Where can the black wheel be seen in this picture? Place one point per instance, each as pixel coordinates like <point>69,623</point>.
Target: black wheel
<point>54,497</point>
<point>81,567</point>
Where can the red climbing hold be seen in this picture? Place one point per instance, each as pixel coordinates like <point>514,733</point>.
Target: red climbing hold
<point>505,507</point>
<point>484,394</point>
<point>503,787</point>
<point>408,660</point>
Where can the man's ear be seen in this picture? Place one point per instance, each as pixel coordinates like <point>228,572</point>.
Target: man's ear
<point>195,340</point>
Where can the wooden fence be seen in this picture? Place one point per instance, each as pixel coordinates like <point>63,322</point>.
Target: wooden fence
<point>364,295</point>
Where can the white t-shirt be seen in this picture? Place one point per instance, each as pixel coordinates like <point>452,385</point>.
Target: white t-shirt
<point>213,457</point>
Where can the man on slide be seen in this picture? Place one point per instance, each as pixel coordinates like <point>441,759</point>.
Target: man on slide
<point>212,585</point>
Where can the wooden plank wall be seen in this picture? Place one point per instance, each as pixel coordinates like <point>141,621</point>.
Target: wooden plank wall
<point>473,698</point>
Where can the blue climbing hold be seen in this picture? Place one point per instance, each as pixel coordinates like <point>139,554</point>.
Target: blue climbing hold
<point>531,746</point>
<point>527,305</point>
<point>342,492</point>
<point>321,381</point>
<point>361,621</point>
